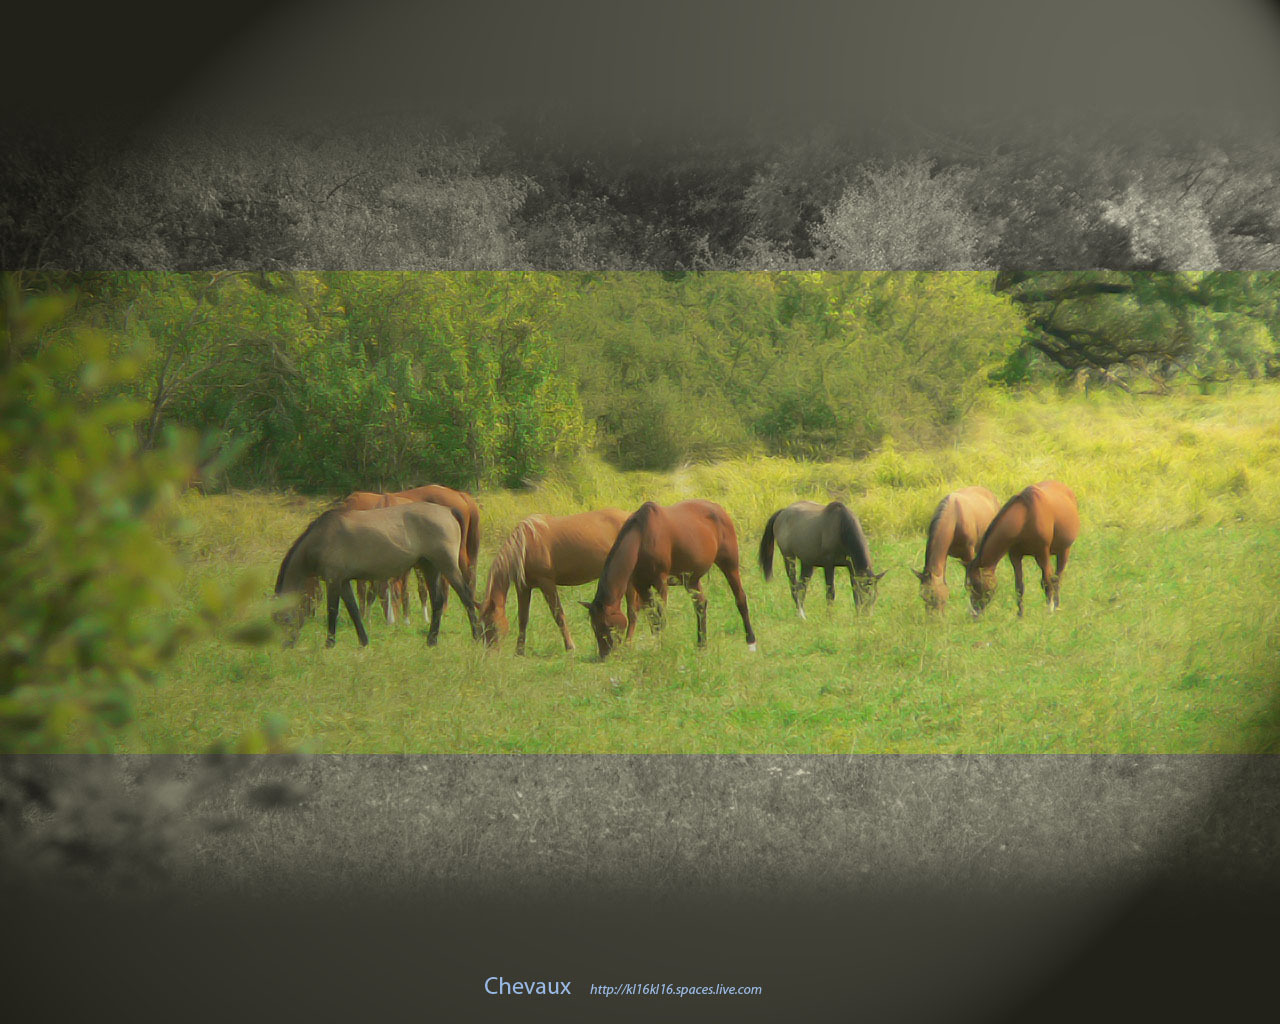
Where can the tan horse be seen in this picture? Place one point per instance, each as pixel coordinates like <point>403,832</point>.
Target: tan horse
<point>466,505</point>
<point>959,522</point>
<point>655,543</point>
<point>437,494</point>
<point>1040,521</point>
<point>389,593</point>
<point>546,552</point>
<point>379,544</point>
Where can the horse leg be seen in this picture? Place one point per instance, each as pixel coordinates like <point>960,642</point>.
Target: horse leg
<point>437,608</point>
<point>353,609</point>
<point>1062,557</point>
<point>829,572</point>
<point>694,586</point>
<point>740,599</point>
<point>331,599</point>
<point>557,612</point>
<point>633,606</point>
<point>466,595</point>
<point>1047,580</point>
<point>796,594</point>
<point>404,598</point>
<point>654,612</point>
<point>806,571</point>
<point>522,600</point>
<point>424,592</point>
<point>1017,580</point>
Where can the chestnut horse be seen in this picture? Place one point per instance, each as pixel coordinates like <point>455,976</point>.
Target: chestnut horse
<point>1040,521</point>
<point>546,552</point>
<point>820,535</point>
<point>958,523</point>
<point>655,543</point>
<point>379,544</point>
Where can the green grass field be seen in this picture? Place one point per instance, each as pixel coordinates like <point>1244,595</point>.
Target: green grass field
<point>1168,639</point>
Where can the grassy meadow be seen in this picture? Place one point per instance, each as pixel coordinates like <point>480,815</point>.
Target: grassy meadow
<point>1168,639</point>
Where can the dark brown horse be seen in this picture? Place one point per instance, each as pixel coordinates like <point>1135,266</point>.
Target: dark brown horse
<point>1040,521</point>
<point>655,543</point>
<point>546,552</point>
<point>379,544</point>
<point>959,522</point>
<point>820,535</point>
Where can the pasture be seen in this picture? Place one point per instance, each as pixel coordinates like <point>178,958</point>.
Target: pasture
<point>1167,641</point>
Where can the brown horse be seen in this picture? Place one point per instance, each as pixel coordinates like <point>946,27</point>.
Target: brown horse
<point>546,552</point>
<point>683,540</point>
<point>379,544</point>
<point>1039,521</point>
<point>959,522</point>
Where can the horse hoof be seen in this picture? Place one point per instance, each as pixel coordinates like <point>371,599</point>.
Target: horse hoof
<point>801,612</point>
<point>751,647</point>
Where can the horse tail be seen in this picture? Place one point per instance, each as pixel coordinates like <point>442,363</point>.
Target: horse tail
<point>852,537</point>
<point>933,526</point>
<point>766,547</point>
<point>472,531</point>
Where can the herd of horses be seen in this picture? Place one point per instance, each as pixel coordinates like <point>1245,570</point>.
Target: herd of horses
<point>376,541</point>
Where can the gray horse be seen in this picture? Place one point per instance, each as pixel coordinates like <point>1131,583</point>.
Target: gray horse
<point>378,544</point>
<point>820,535</point>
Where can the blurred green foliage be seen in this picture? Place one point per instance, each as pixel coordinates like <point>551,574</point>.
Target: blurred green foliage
<point>88,506</point>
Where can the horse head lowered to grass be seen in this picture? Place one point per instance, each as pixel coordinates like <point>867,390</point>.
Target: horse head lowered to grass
<point>815,535</point>
<point>377,544</point>
<point>657,543</point>
<point>1040,521</point>
<point>958,523</point>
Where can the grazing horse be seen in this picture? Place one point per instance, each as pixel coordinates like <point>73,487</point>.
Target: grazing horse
<point>1039,521</point>
<point>825,535</point>
<point>546,552</point>
<point>389,592</point>
<point>380,544</point>
<point>959,522</point>
<point>655,543</point>
<point>466,505</point>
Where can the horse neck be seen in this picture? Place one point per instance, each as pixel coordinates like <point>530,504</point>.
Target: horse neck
<point>294,571</point>
<point>619,566</point>
<point>1001,534</point>
<point>854,541</point>
<point>939,543</point>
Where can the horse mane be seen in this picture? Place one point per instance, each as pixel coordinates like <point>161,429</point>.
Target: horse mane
<point>852,537</point>
<point>995,519</point>
<point>508,564</point>
<point>324,516</point>
<point>933,525</point>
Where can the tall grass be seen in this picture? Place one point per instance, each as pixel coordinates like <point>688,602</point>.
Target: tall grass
<point>1167,639</point>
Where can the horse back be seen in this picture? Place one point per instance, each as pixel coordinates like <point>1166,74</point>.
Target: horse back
<point>690,536</point>
<point>1057,510</point>
<point>973,508</point>
<point>573,548</point>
